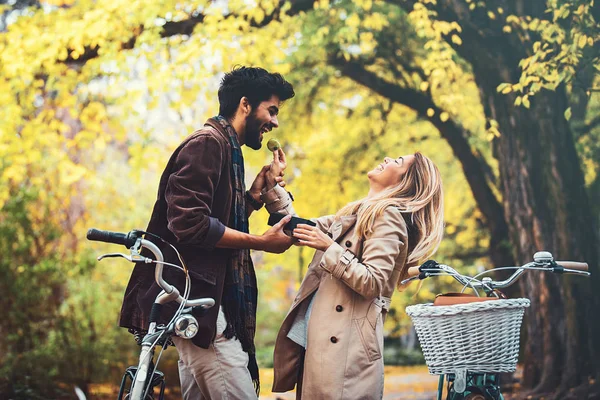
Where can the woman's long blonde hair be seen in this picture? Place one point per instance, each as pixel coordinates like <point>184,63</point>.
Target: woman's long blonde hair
<point>419,193</point>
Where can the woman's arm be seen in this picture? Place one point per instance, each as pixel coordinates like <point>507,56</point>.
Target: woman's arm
<point>381,249</point>
<point>276,198</point>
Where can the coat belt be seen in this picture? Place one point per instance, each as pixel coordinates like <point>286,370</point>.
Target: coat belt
<point>383,302</point>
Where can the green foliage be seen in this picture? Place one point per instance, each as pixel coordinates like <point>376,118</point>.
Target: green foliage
<point>394,354</point>
<point>563,48</point>
<point>31,286</point>
<point>54,329</point>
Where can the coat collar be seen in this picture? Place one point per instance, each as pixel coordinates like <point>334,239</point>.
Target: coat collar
<point>213,123</point>
<point>341,226</point>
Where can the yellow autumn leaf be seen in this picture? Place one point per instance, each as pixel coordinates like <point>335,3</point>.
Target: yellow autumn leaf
<point>353,20</point>
<point>456,40</point>
<point>71,174</point>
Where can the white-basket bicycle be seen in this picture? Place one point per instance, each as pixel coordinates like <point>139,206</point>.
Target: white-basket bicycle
<point>471,340</point>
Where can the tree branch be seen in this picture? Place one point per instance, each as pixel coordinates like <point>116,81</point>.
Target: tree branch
<point>480,33</point>
<point>184,27</point>
<point>187,26</point>
<point>590,125</point>
<point>474,167</point>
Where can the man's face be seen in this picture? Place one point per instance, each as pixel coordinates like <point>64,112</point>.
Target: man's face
<point>261,120</point>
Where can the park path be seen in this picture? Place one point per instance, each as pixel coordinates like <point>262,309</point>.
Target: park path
<point>401,383</point>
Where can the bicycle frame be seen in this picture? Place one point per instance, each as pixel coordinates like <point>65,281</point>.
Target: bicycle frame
<point>487,385</point>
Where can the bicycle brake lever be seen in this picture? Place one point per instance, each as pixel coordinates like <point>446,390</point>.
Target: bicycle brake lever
<point>429,265</point>
<point>405,281</point>
<point>130,258</point>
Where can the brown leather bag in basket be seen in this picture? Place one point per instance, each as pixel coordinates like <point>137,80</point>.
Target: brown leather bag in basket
<point>450,299</point>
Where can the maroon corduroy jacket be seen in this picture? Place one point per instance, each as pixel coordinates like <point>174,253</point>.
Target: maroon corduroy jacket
<point>191,212</point>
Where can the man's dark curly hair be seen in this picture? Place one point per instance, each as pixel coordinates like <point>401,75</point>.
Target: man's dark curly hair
<point>256,84</point>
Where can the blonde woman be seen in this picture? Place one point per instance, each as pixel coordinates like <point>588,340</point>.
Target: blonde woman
<point>330,344</point>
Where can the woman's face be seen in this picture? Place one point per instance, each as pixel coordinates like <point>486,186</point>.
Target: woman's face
<point>389,172</point>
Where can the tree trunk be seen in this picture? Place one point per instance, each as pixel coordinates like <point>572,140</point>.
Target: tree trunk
<point>544,199</point>
<point>544,195</point>
<point>546,205</point>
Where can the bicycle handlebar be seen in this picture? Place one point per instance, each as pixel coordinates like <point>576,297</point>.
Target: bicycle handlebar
<point>542,261</point>
<point>204,302</point>
<point>127,240</point>
<point>579,266</point>
<point>414,272</point>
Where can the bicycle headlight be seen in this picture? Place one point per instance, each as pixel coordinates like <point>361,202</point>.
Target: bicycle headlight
<point>186,326</point>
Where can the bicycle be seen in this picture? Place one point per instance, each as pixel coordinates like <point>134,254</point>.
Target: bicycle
<point>145,377</point>
<point>459,334</point>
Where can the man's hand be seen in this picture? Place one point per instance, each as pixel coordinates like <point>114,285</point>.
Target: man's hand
<point>259,183</point>
<point>275,240</point>
<point>276,169</point>
<point>261,180</point>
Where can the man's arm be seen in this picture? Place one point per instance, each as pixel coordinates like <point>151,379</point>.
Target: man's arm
<point>190,192</point>
<point>273,240</point>
<point>190,196</point>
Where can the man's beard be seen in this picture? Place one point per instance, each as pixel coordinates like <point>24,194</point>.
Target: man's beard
<point>253,132</point>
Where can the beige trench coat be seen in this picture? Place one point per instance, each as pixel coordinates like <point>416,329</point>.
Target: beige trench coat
<point>354,281</point>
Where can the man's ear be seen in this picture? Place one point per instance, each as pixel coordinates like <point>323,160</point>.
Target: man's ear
<point>245,106</point>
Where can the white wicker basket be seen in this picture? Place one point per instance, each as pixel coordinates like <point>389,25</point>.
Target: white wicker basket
<point>477,337</point>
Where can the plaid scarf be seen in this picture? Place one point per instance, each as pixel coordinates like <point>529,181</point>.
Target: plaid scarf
<point>240,293</point>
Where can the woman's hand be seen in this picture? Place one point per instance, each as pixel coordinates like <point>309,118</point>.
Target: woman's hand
<point>312,236</point>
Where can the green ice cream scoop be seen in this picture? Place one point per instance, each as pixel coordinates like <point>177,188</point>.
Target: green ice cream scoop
<point>273,144</point>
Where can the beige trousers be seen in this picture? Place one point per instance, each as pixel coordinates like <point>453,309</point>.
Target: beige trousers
<point>217,373</point>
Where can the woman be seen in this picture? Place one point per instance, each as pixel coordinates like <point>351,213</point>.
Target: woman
<point>331,342</point>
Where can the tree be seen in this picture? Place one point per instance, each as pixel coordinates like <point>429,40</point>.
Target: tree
<point>547,202</point>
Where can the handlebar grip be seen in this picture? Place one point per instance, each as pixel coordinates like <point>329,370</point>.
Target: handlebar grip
<point>579,266</point>
<point>412,271</point>
<point>98,235</point>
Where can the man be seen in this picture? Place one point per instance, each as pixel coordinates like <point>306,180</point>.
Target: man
<point>203,208</point>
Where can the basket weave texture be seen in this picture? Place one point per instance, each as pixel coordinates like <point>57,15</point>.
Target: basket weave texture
<point>478,337</point>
